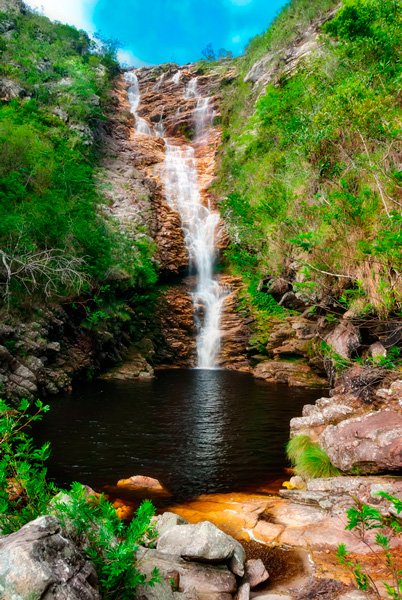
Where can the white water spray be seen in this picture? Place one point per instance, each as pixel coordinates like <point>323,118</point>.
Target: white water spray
<point>199,222</point>
<point>134,97</point>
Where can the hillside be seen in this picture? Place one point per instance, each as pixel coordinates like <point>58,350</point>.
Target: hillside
<point>54,90</point>
<point>310,171</point>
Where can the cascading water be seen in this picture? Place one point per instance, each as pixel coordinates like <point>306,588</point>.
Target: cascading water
<point>134,97</point>
<point>199,222</point>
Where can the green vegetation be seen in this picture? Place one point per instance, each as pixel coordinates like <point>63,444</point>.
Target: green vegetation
<point>308,459</point>
<point>109,542</point>
<point>363,519</point>
<point>310,178</point>
<point>90,520</point>
<point>24,490</point>
<point>55,240</point>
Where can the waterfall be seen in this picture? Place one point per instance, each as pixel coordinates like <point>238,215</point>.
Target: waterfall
<point>199,222</point>
<point>134,97</point>
<point>176,77</point>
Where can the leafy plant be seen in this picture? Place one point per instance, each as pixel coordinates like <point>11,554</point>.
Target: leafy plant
<point>309,460</point>
<point>24,490</point>
<point>362,519</point>
<point>109,542</point>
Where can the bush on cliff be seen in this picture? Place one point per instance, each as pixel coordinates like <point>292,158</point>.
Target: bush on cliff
<point>311,177</point>
<point>89,520</point>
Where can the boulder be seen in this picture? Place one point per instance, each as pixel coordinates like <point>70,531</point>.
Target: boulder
<point>10,90</point>
<point>206,579</point>
<point>168,520</point>
<point>377,350</point>
<point>370,443</point>
<point>344,339</point>
<point>203,542</point>
<point>160,591</point>
<point>277,287</point>
<point>291,301</point>
<point>37,562</point>
<point>255,572</point>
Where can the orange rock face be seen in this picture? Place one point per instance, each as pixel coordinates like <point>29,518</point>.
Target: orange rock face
<point>135,167</point>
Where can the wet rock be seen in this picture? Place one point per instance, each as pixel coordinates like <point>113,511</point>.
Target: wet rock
<point>174,316</point>
<point>38,562</point>
<point>142,482</point>
<point>371,443</point>
<point>235,330</point>
<point>344,339</point>
<point>295,374</point>
<point>255,572</point>
<point>135,366</point>
<point>203,542</point>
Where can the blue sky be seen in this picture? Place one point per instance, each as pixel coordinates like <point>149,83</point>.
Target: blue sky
<point>156,31</point>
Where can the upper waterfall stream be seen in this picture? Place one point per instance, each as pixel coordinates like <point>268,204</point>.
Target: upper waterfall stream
<point>198,219</point>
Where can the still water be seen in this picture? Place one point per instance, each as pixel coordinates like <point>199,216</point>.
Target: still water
<point>197,431</point>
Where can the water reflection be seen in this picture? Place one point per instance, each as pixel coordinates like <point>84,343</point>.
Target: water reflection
<point>197,431</point>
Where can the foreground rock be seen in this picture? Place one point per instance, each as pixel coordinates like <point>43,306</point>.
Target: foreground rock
<point>188,576</point>
<point>37,562</point>
<point>203,542</point>
<point>199,561</point>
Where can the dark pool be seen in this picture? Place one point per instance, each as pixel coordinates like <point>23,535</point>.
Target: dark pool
<point>197,431</point>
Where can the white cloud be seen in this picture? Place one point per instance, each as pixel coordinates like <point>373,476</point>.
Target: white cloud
<point>128,59</point>
<point>73,12</point>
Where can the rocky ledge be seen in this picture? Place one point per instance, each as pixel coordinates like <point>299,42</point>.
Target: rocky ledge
<point>360,431</point>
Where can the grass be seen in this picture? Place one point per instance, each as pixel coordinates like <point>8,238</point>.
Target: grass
<point>308,459</point>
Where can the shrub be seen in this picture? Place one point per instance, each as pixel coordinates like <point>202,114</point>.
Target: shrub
<point>308,459</point>
<point>24,490</point>
<point>362,519</point>
<point>110,544</point>
<point>49,198</point>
